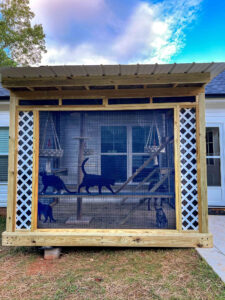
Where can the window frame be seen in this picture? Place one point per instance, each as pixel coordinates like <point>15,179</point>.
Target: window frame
<point>129,153</point>
<point>220,157</point>
<point>2,154</point>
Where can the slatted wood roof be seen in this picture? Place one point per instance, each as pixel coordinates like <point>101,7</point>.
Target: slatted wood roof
<point>111,70</point>
<point>110,80</point>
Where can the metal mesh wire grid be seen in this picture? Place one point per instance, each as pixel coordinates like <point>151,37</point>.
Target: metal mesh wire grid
<point>116,171</point>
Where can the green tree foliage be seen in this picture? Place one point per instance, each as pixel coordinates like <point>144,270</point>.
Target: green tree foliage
<point>20,42</point>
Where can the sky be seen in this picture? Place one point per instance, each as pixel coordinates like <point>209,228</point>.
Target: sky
<point>131,31</point>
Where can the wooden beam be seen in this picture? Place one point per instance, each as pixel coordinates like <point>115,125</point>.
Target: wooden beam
<point>202,171</point>
<point>108,238</point>
<point>12,165</point>
<point>30,88</point>
<point>105,107</point>
<point>124,93</point>
<point>107,80</point>
<point>177,168</point>
<point>35,171</point>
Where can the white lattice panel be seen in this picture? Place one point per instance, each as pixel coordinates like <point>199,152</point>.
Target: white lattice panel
<point>189,188</point>
<point>24,170</point>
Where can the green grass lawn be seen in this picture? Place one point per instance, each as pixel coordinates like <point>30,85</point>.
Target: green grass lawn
<point>107,273</point>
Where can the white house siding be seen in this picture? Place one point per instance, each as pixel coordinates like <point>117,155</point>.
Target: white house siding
<point>4,122</point>
<point>215,117</point>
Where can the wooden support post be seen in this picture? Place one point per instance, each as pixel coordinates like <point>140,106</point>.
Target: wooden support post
<point>35,171</point>
<point>202,172</point>
<point>11,204</point>
<point>177,168</point>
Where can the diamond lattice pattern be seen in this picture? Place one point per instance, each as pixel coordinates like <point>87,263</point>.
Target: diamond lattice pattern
<point>189,195</point>
<point>24,170</point>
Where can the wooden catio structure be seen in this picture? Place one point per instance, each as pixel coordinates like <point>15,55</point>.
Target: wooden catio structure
<point>108,155</point>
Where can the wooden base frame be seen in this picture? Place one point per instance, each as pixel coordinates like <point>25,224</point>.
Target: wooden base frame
<point>108,238</point>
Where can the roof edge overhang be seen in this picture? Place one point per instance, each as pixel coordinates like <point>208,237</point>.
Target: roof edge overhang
<point>94,80</point>
<point>192,76</point>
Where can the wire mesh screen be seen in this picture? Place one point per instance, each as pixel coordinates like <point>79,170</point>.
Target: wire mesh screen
<point>107,170</point>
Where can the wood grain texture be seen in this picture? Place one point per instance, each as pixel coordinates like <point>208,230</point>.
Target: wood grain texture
<point>202,170</point>
<point>104,107</point>
<point>35,172</point>
<point>177,167</point>
<point>120,93</point>
<point>10,225</point>
<point>138,238</point>
<point>160,78</point>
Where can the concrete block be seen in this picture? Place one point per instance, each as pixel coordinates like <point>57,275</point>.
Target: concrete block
<point>52,253</point>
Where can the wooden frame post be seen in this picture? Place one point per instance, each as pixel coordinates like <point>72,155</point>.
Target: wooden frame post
<point>202,171</point>
<point>11,203</point>
<point>35,172</point>
<point>177,168</point>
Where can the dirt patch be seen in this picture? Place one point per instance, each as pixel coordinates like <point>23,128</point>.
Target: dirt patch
<point>41,267</point>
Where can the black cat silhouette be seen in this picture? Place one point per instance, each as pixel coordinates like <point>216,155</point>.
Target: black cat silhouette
<point>95,180</point>
<point>161,219</point>
<point>46,210</point>
<point>53,181</point>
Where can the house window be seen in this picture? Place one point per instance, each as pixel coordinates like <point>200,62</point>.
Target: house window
<point>4,137</point>
<point>114,152</point>
<point>213,156</point>
<point>141,135</point>
<point>123,151</point>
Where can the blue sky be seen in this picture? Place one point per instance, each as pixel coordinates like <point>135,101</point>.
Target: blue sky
<point>131,31</point>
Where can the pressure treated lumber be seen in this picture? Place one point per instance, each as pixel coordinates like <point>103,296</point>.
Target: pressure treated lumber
<point>107,80</point>
<point>108,238</point>
<point>120,93</point>
<point>12,166</point>
<point>202,171</point>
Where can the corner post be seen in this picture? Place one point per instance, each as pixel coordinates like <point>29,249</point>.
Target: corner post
<point>202,171</point>
<point>35,171</point>
<point>12,166</point>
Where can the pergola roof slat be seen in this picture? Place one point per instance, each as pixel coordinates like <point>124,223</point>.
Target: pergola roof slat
<point>109,75</point>
<point>110,70</point>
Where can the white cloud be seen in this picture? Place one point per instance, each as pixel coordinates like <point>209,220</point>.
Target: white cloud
<point>82,54</point>
<point>155,33</point>
<point>152,33</point>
